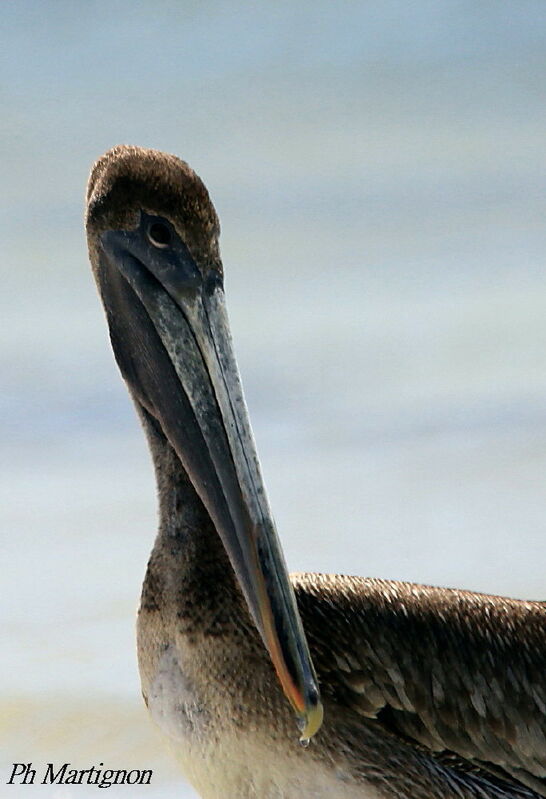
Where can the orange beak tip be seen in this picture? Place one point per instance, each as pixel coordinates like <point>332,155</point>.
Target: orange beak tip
<point>310,723</point>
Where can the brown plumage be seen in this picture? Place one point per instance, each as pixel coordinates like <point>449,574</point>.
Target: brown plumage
<point>428,693</point>
<point>128,179</point>
<point>452,671</point>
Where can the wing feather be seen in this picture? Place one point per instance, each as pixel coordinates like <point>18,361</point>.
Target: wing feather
<point>451,671</point>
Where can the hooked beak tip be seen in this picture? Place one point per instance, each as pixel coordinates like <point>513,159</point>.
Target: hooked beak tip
<point>310,722</point>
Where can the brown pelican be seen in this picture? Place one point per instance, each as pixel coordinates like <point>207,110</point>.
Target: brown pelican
<point>427,692</point>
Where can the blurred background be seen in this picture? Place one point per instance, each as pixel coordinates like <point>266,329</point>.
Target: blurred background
<point>380,171</point>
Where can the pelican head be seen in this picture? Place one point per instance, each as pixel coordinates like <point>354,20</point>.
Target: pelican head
<point>153,243</point>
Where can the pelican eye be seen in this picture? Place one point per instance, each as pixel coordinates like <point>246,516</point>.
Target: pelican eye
<point>159,234</point>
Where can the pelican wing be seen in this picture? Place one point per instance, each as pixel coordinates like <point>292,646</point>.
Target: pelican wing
<point>458,674</point>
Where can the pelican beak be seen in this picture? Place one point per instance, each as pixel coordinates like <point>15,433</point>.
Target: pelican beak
<point>171,337</point>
